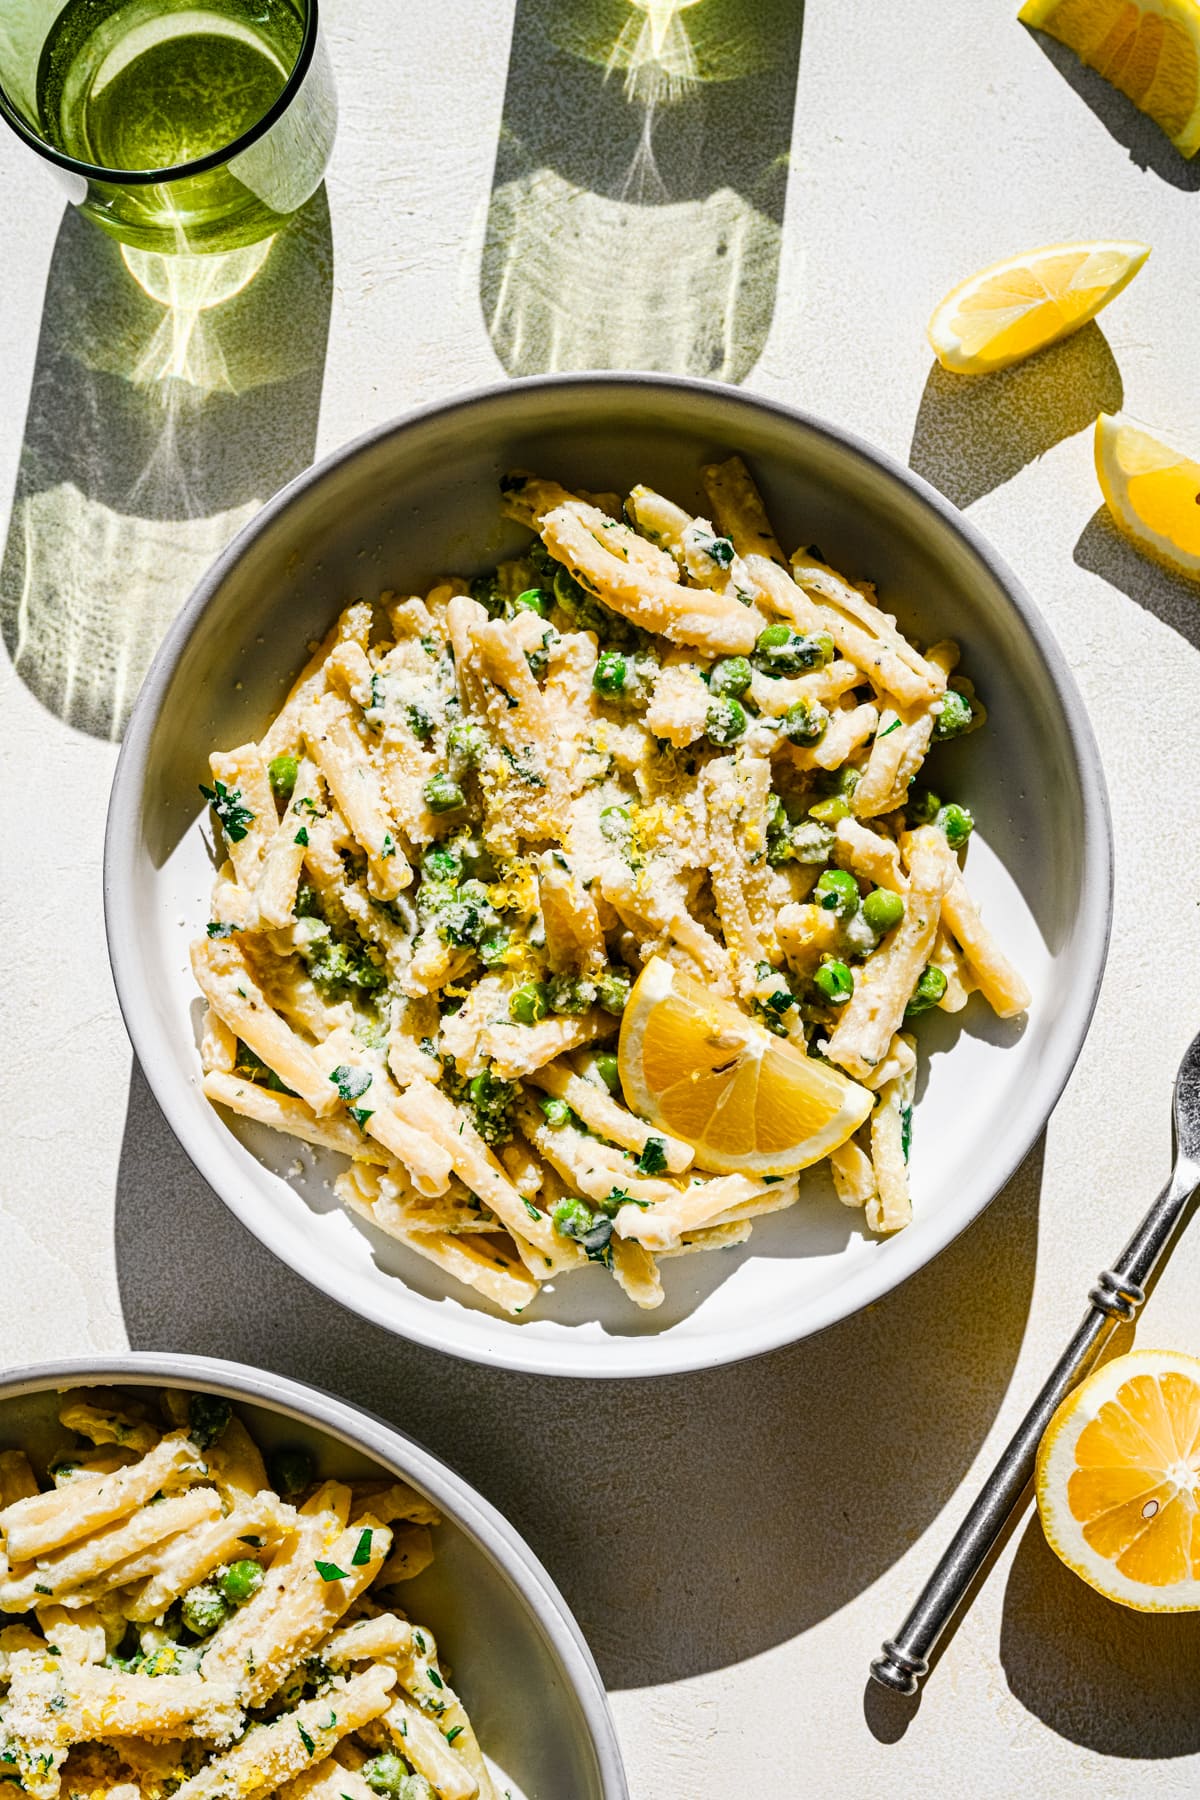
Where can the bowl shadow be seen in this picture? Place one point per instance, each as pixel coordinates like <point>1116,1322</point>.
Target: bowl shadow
<point>746,1482</point>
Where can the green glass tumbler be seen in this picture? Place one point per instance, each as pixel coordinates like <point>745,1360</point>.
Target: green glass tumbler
<point>179,126</point>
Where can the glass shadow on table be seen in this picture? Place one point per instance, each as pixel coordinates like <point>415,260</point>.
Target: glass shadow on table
<point>637,201</point>
<point>692,1521</point>
<point>171,397</point>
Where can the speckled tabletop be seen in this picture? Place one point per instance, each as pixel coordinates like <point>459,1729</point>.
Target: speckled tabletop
<point>734,1544</point>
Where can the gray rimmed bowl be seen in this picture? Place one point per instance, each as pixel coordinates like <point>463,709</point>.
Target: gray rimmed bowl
<point>419,497</point>
<point>504,1626</point>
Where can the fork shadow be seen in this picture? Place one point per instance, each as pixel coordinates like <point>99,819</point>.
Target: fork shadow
<point>975,432</point>
<point>746,1482</point>
<point>1148,145</point>
<point>1101,549</point>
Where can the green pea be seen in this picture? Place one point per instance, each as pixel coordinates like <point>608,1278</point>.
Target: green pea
<point>208,1415</point>
<point>592,1231</point>
<point>386,1774</point>
<point>440,864</point>
<point>611,674</point>
<point>830,810</point>
<point>612,991</point>
<point>614,822</point>
<point>955,716</point>
<point>532,600</point>
<point>282,771</point>
<point>725,721</point>
<point>555,1112</point>
<point>782,651</point>
<point>835,981</point>
<point>527,1004</point>
<point>292,1469</point>
<point>922,806</point>
<point>957,823</point>
<point>804,722</point>
<point>240,1580</point>
<point>566,995</point>
<point>927,993</point>
<point>465,742</point>
<point>202,1610</point>
<point>605,1064</point>
<point>837,892</point>
<point>882,909</point>
<point>493,949</point>
<point>732,676</point>
<point>442,793</point>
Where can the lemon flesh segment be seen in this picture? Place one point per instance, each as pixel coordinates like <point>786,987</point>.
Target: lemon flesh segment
<point>744,1099</point>
<point>1149,49</point>
<point>1118,1481</point>
<point>1151,490</point>
<point>1013,308</point>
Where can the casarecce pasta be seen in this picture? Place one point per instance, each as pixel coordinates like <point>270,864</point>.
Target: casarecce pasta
<point>182,1622</point>
<point>481,810</point>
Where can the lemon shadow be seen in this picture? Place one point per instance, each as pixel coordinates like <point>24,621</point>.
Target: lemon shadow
<point>975,432</point>
<point>746,1483</point>
<point>163,411</point>
<point>637,203</point>
<point>1102,549</point>
<point>1148,145</point>
<point>1119,1682</point>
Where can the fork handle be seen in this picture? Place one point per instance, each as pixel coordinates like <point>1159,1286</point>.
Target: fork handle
<point>1115,1299</point>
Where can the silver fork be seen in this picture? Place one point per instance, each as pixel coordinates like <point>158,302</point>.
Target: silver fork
<point>1115,1299</point>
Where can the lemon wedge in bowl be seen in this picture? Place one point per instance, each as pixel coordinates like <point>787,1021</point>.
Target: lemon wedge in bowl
<point>1013,308</point>
<point>1118,1481</point>
<point>1151,490</point>
<point>745,1100</point>
<point>1148,49</point>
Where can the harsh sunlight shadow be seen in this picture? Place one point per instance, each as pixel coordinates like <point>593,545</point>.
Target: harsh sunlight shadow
<point>1120,1683</point>
<point>746,1482</point>
<point>1148,145</point>
<point>1171,598</point>
<point>637,201</point>
<point>171,396</point>
<point>975,432</point>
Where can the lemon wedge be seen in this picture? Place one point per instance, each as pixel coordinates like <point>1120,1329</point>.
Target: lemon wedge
<point>1012,308</point>
<point>1151,490</point>
<point>1118,1481</point>
<point>744,1099</point>
<point>1149,49</point>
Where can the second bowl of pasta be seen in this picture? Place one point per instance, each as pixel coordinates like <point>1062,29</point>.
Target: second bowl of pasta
<point>633,845</point>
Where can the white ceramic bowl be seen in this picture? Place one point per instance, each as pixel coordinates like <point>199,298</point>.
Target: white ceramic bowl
<point>501,1622</point>
<point>420,496</point>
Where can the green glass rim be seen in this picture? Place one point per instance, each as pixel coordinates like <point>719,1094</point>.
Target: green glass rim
<point>177,171</point>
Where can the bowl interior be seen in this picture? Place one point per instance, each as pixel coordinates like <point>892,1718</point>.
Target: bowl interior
<point>484,1625</point>
<point>420,500</point>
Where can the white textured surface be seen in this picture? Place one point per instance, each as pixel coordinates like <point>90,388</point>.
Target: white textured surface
<point>735,1544</point>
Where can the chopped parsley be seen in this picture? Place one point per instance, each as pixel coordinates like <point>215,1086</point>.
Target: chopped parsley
<point>435,1678</point>
<point>329,1571</point>
<point>217,928</point>
<point>362,1550</point>
<point>309,1746</point>
<point>360,1115</point>
<point>350,1082</point>
<point>236,819</point>
<point>301,837</point>
<point>894,726</point>
<point>653,1159</point>
<point>453,1733</point>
